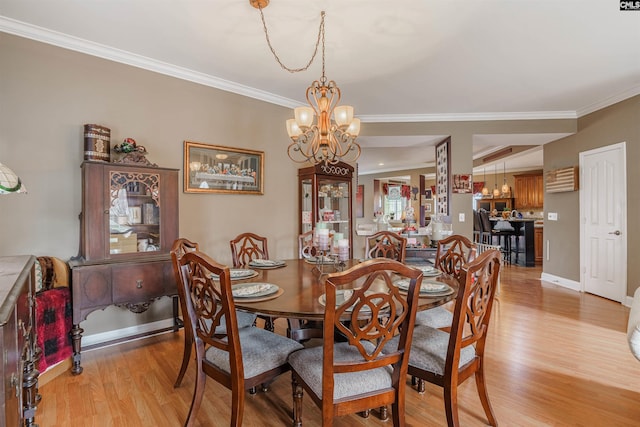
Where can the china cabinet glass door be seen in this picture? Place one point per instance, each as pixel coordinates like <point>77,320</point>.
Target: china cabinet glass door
<point>134,212</point>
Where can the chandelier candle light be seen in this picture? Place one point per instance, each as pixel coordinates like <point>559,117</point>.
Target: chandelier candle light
<point>332,137</point>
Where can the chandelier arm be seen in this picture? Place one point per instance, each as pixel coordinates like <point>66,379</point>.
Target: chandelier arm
<point>315,50</point>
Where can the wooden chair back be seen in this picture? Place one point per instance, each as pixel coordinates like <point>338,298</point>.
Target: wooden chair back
<point>212,321</point>
<point>386,244</point>
<point>180,247</point>
<point>478,285</point>
<point>307,245</point>
<point>246,247</point>
<point>453,252</point>
<point>471,315</point>
<point>372,312</point>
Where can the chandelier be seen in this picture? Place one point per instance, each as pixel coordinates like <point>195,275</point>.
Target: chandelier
<point>323,132</point>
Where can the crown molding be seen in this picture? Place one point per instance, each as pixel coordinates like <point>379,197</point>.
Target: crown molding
<point>34,32</point>
<point>629,93</point>
<point>468,117</point>
<point>66,41</point>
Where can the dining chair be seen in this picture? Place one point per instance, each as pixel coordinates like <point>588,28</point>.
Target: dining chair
<point>353,375</point>
<point>386,244</point>
<point>504,236</point>
<point>477,227</point>
<point>238,358</point>
<point>452,253</point>
<point>306,247</point>
<point>247,247</point>
<point>179,248</point>
<point>447,359</point>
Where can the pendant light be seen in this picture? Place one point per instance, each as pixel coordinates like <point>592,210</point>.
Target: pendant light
<point>485,190</point>
<point>496,192</point>
<point>505,187</point>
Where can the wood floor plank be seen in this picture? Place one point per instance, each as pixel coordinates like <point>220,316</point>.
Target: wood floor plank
<point>555,357</point>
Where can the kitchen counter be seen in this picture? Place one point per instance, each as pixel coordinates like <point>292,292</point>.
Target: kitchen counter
<point>525,239</point>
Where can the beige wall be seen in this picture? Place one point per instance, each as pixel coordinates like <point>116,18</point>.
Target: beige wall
<point>48,93</point>
<point>617,123</point>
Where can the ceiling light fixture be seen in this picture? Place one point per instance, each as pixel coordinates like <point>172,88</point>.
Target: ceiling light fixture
<point>10,182</point>
<point>505,187</point>
<point>332,138</point>
<point>485,190</point>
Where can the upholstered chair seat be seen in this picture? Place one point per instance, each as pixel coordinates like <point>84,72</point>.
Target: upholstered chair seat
<point>262,351</point>
<point>308,364</point>
<point>438,317</point>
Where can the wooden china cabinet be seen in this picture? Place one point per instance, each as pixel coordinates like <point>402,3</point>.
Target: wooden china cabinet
<point>128,223</point>
<point>325,193</point>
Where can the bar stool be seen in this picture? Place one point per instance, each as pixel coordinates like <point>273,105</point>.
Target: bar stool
<point>489,233</point>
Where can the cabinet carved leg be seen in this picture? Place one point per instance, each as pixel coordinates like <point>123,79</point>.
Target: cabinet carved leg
<point>76,339</point>
<point>30,393</point>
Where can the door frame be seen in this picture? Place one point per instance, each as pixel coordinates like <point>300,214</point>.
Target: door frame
<point>623,220</point>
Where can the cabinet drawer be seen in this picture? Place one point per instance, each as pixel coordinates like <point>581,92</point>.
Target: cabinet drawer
<point>137,282</point>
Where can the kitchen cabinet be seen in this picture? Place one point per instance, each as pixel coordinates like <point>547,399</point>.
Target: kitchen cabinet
<point>18,339</point>
<point>325,194</point>
<point>538,244</point>
<point>128,224</point>
<point>529,191</point>
<point>499,204</point>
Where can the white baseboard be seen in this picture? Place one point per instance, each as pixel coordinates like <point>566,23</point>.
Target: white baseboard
<point>118,334</point>
<point>561,281</point>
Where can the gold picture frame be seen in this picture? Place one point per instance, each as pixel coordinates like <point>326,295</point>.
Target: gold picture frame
<point>218,169</point>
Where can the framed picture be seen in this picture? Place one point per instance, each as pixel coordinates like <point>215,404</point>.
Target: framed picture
<point>443,169</point>
<point>218,169</point>
<point>428,194</point>
<point>427,208</point>
<point>462,183</point>
<point>360,201</point>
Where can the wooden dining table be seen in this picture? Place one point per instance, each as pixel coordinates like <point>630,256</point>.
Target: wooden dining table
<point>301,289</point>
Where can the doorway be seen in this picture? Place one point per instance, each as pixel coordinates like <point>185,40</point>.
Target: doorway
<point>603,225</point>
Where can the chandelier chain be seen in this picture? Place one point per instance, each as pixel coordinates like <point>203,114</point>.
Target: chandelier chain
<point>315,50</point>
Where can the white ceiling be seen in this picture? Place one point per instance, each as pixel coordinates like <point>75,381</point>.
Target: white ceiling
<point>395,61</point>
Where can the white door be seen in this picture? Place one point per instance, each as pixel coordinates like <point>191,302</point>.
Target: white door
<point>603,209</point>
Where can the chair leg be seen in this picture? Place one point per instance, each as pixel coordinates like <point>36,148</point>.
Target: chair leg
<point>384,413</point>
<point>297,402</point>
<point>451,404</point>
<point>484,396</point>
<point>186,355</point>
<point>237,406</point>
<point>198,392</point>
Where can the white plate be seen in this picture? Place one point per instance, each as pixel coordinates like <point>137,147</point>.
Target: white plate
<point>239,274</point>
<point>253,290</point>
<point>427,287</point>
<point>323,260</point>
<point>266,263</point>
<point>428,271</point>
<point>342,296</point>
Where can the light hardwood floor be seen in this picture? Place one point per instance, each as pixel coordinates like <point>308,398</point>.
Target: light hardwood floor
<point>555,358</point>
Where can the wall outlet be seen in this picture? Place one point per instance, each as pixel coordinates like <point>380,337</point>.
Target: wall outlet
<point>461,217</point>
<point>552,216</point>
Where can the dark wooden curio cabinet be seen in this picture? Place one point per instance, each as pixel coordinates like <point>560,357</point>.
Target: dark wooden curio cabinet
<point>325,194</point>
<point>128,223</point>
